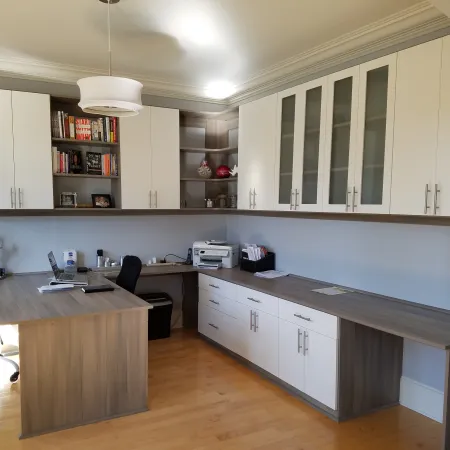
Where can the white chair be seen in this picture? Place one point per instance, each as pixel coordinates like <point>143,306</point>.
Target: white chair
<point>10,350</point>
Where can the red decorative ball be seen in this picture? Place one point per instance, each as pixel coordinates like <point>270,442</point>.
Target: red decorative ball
<point>223,172</point>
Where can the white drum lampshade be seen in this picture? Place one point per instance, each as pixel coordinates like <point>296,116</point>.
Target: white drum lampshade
<point>110,96</point>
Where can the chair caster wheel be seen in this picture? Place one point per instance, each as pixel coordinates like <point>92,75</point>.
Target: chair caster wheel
<point>14,377</point>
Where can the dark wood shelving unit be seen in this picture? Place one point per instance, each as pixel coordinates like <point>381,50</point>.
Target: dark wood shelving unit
<point>210,180</point>
<point>80,142</point>
<point>86,175</point>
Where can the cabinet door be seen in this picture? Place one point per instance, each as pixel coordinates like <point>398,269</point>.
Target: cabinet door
<point>257,138</point>
<point>372,190</point>
<point>287,138</point>
<point>441,188</point>
<point>309,157</point>
<point>7,196</point>
<point>245,336</point>
<point>320,368</point>
<point>290,355</point>
<point>32,150</point>
<point>264,343</point>
<point>135,160</point>
<point>416,128</point>
<point>165,145</point>
<point>341,134</point>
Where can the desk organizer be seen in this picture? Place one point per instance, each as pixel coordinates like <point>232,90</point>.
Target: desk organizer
<point>267,263</point>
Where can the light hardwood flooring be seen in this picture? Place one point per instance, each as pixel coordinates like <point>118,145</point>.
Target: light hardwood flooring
<point>204,400</point>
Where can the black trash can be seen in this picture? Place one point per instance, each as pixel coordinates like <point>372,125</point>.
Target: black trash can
<point>159,318</point>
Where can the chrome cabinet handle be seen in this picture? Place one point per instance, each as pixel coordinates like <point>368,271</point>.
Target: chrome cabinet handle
<point>302,317</point>
<point>305,348</point>
<point>299,341</point>
<point>436,192</point>
<point>427,191</point>
<point>256,321</point>
<point>354,192</point>
<point>150,195</point>
<point>216,303</point>
<point>254,198</point>
<point>297,194</point>
<point>214,286</point>
<point>250,198</point>
<point>291,205</point>
<point>251,320</point>
<point>253,300</point>
<point>214,326</point>
<point>156,199</point>
<point>347,206</point>
<point>20,198</point>
<point>12,201</point>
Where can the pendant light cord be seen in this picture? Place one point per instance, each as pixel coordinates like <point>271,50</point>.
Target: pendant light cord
<point>109,36</point>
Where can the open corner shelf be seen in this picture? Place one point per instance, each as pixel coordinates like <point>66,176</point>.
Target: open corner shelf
<point>86,175</point>
<point>210,180</point>
<point>224,151</point>
<point>79,142</point>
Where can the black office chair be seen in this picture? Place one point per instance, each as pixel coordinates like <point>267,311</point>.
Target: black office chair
<point>129,274</point>
<point>10,350</point>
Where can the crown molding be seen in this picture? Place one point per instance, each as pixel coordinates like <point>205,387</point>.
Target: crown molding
<point>420,20</point>
<point>414,22</point>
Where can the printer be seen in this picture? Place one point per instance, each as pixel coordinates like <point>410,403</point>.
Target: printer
<point>215,254</point>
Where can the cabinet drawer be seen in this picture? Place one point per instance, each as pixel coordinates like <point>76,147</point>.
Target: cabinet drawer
<point>258,300</point>
<point>209,322</point>
<point>309,318</point>
<point>217,301</point>
<point>221,287</point>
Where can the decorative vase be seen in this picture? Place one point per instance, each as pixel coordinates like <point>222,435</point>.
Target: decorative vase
<point>204,171</point>
<point>223,172</point>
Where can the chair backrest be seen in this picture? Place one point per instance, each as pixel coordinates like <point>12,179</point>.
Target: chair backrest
<point>129,274</point>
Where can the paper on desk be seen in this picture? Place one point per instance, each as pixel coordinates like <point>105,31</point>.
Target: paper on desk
<point>270,274</point>
<point>334,290</point>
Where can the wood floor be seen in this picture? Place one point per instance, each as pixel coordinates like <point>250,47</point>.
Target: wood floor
<point>201,399</point>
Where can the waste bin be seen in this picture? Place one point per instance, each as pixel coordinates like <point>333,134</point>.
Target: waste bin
<point>159,318</point>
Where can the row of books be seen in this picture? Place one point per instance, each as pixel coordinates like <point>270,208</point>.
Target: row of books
<point>70,161</point>
<point>65,126</point>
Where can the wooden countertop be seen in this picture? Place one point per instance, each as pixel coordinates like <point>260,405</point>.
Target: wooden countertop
<point>20,301</point>
<point>428,325</point>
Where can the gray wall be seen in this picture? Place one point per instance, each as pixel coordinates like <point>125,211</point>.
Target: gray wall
<point>406,261</point>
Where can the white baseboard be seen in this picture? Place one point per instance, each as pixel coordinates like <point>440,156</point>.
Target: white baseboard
<point>422,399</point>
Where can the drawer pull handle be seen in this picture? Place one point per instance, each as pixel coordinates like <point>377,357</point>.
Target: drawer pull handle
<point>216,303</point>
<point>302,317</point>
<point>214,286</point>
<point>212,325</point>
<point>253,300</point>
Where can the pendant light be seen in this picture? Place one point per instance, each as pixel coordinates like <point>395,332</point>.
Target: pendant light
<point>108,95</point>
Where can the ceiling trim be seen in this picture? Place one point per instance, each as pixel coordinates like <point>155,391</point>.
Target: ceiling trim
<point>413,22</point>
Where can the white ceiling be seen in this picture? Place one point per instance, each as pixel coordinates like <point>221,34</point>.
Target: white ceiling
<point>179,46</point>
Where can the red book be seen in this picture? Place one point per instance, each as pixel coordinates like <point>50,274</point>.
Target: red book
<point>83,129</point>
<point>66,126</point>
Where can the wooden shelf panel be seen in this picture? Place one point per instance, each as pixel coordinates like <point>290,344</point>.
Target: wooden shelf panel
<point>225,151</point>
<point>210,180</point>
<point>89,143</point>
<point>85,175</point>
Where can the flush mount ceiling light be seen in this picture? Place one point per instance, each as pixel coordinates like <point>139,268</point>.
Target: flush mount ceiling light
<point>220,89</point>
<point>108,95</point>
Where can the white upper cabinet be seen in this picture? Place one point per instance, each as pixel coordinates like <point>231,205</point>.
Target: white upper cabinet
<point>165,145</point>
<point>257,140</point>
<point>150,159</point>
<point>135,160</point>
<point>32,150</point>
<point>441,198</point>
<point>416,128</point>
<point>7,188</point>
<point>373,168</point>
<point>341,140</point>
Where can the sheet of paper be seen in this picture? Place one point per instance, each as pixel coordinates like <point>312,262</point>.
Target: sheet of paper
<point>270,274</point>
<point>334,290</point>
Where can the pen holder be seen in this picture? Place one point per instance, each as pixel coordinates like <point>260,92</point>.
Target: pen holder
<point>267,263</point>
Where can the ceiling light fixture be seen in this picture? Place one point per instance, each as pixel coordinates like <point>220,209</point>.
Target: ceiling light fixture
<point>108,95</point>
<point>220,89</point>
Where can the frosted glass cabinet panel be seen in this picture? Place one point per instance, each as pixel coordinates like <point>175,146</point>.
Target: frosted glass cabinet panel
<point>373,168</point>
<point>341,139</point>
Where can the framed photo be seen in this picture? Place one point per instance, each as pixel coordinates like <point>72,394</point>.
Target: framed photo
<point>101,201</point>
<point>68,200</point>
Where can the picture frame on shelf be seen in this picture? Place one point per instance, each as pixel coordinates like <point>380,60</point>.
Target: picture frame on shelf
<point>68,200</point>
<point>101,201</point>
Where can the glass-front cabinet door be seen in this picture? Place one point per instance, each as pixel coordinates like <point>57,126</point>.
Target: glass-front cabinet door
<point>287,139</point>
<point>373,167</point>
<point>341,140</point>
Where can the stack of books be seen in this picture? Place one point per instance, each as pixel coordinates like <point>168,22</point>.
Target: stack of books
<point>99,164</point>
<point>68,161</point>
<point>102,129</point>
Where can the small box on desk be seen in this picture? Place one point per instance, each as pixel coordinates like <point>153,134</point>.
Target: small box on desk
<point>267,263</point>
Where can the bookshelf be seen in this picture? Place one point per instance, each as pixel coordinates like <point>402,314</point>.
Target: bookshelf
<point>213,138</point>
<point>84,166</point>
